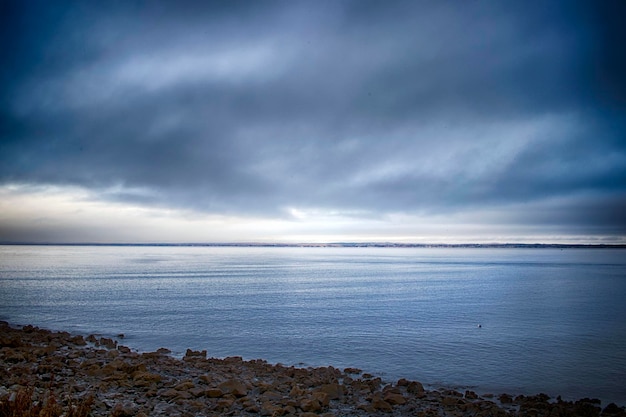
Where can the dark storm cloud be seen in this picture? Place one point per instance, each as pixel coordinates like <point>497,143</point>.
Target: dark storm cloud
<point>252,107</point>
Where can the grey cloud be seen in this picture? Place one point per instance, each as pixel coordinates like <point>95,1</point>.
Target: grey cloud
<point>375,107</point>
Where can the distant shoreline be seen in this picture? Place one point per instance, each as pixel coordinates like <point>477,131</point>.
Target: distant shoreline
<point>342,245</point>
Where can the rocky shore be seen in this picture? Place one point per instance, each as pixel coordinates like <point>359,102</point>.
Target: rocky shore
<point>56,373</point>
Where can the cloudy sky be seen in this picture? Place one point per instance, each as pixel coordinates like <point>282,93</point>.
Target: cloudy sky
<point>221,121</point>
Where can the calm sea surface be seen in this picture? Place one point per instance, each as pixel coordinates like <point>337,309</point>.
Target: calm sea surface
<point>552,320</point>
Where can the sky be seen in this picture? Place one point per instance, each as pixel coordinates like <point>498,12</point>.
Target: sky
<point>313,121</point>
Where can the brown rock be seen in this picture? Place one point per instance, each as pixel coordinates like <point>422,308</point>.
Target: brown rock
<point>296,392</point>
<point>123,349</point>
<point>289,410</point>
<point>184,386</point>
<point>415,387</point>
<point>402,382</point>
<point>505,399</point>
<point>169,393</point>
<point>381,405</point>
<point>394,398</point>
<point>334,391</point>
<point>225,403</point>
<point>322,397</point>
<point>272,396</point>
<point>310,405</point>
<point>108,343</point>
<point>471,395</point>
<point>145,378</point>
<point>214,393</point>
<point>451,401</point>
<point>235,387</point>
<point>78,341</point>
<point>197,391</point>
<point>268,409</point>
<point>195,354</point>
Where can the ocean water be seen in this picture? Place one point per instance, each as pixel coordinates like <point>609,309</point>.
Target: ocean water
<point>551,320</point>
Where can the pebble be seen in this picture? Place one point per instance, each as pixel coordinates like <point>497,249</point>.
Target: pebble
<point>123,382</point>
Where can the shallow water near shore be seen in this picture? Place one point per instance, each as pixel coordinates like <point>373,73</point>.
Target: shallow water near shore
<point>551,320</point>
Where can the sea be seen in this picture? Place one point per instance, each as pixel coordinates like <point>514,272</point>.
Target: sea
<point>492,320</point>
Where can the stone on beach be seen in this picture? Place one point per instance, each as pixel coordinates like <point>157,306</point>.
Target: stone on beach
<point>113,380</point>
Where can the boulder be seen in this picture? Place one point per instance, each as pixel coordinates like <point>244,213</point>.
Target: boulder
<point>415,387</point>
<point>613,410</point>
<point>394,398</point>
<point>310,405</point>
<point>381,405</point>
<point>334,391</point>
<point>214,393</point>
<point>234,387</point>
<point>471,395</point>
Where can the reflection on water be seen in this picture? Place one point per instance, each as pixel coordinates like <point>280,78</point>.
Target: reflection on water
<point>550,320</point>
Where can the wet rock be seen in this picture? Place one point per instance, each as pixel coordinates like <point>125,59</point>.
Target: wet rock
<point>394,398</point>
<point>471,395</point>
<point>195,354</point>
<point>124,383</point>
<point>415,387</point>
<point>505,399</point>
<point>108,343</point>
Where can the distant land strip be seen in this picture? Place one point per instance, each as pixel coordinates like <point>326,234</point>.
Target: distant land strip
<point>344,245</point>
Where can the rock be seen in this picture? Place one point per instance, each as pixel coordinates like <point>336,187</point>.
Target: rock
<point>321,397</point>
<point>235,387</point>
<point>124,383</point>
<point>471,395</point>
<point>334,391</point>
<point>415,387</point>
<point>505,399</point>
<point>124,410</point>
<point>310,405</point>
<point>451,401</point>
<point>195,354</point>
<point>269,409</point>
<point>394,398</point>
<point>225,403</point>
<point>214,393</point>
<point>296,392</point>
<point>78,341</point>
<point>169,393</point>
<point>197,391</point>
<point>184,386</point>
<point>143,378</point>
<point>123,349</point>
<point>381,405</point>
<point>613,410</point>
<point>108,343</point>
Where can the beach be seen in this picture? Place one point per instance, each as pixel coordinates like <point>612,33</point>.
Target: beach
<point>98,376</point>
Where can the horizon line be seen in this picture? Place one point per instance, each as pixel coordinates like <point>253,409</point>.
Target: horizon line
<point>332,244</point>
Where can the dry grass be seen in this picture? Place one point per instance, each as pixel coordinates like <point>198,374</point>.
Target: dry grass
<point>24,404</point>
